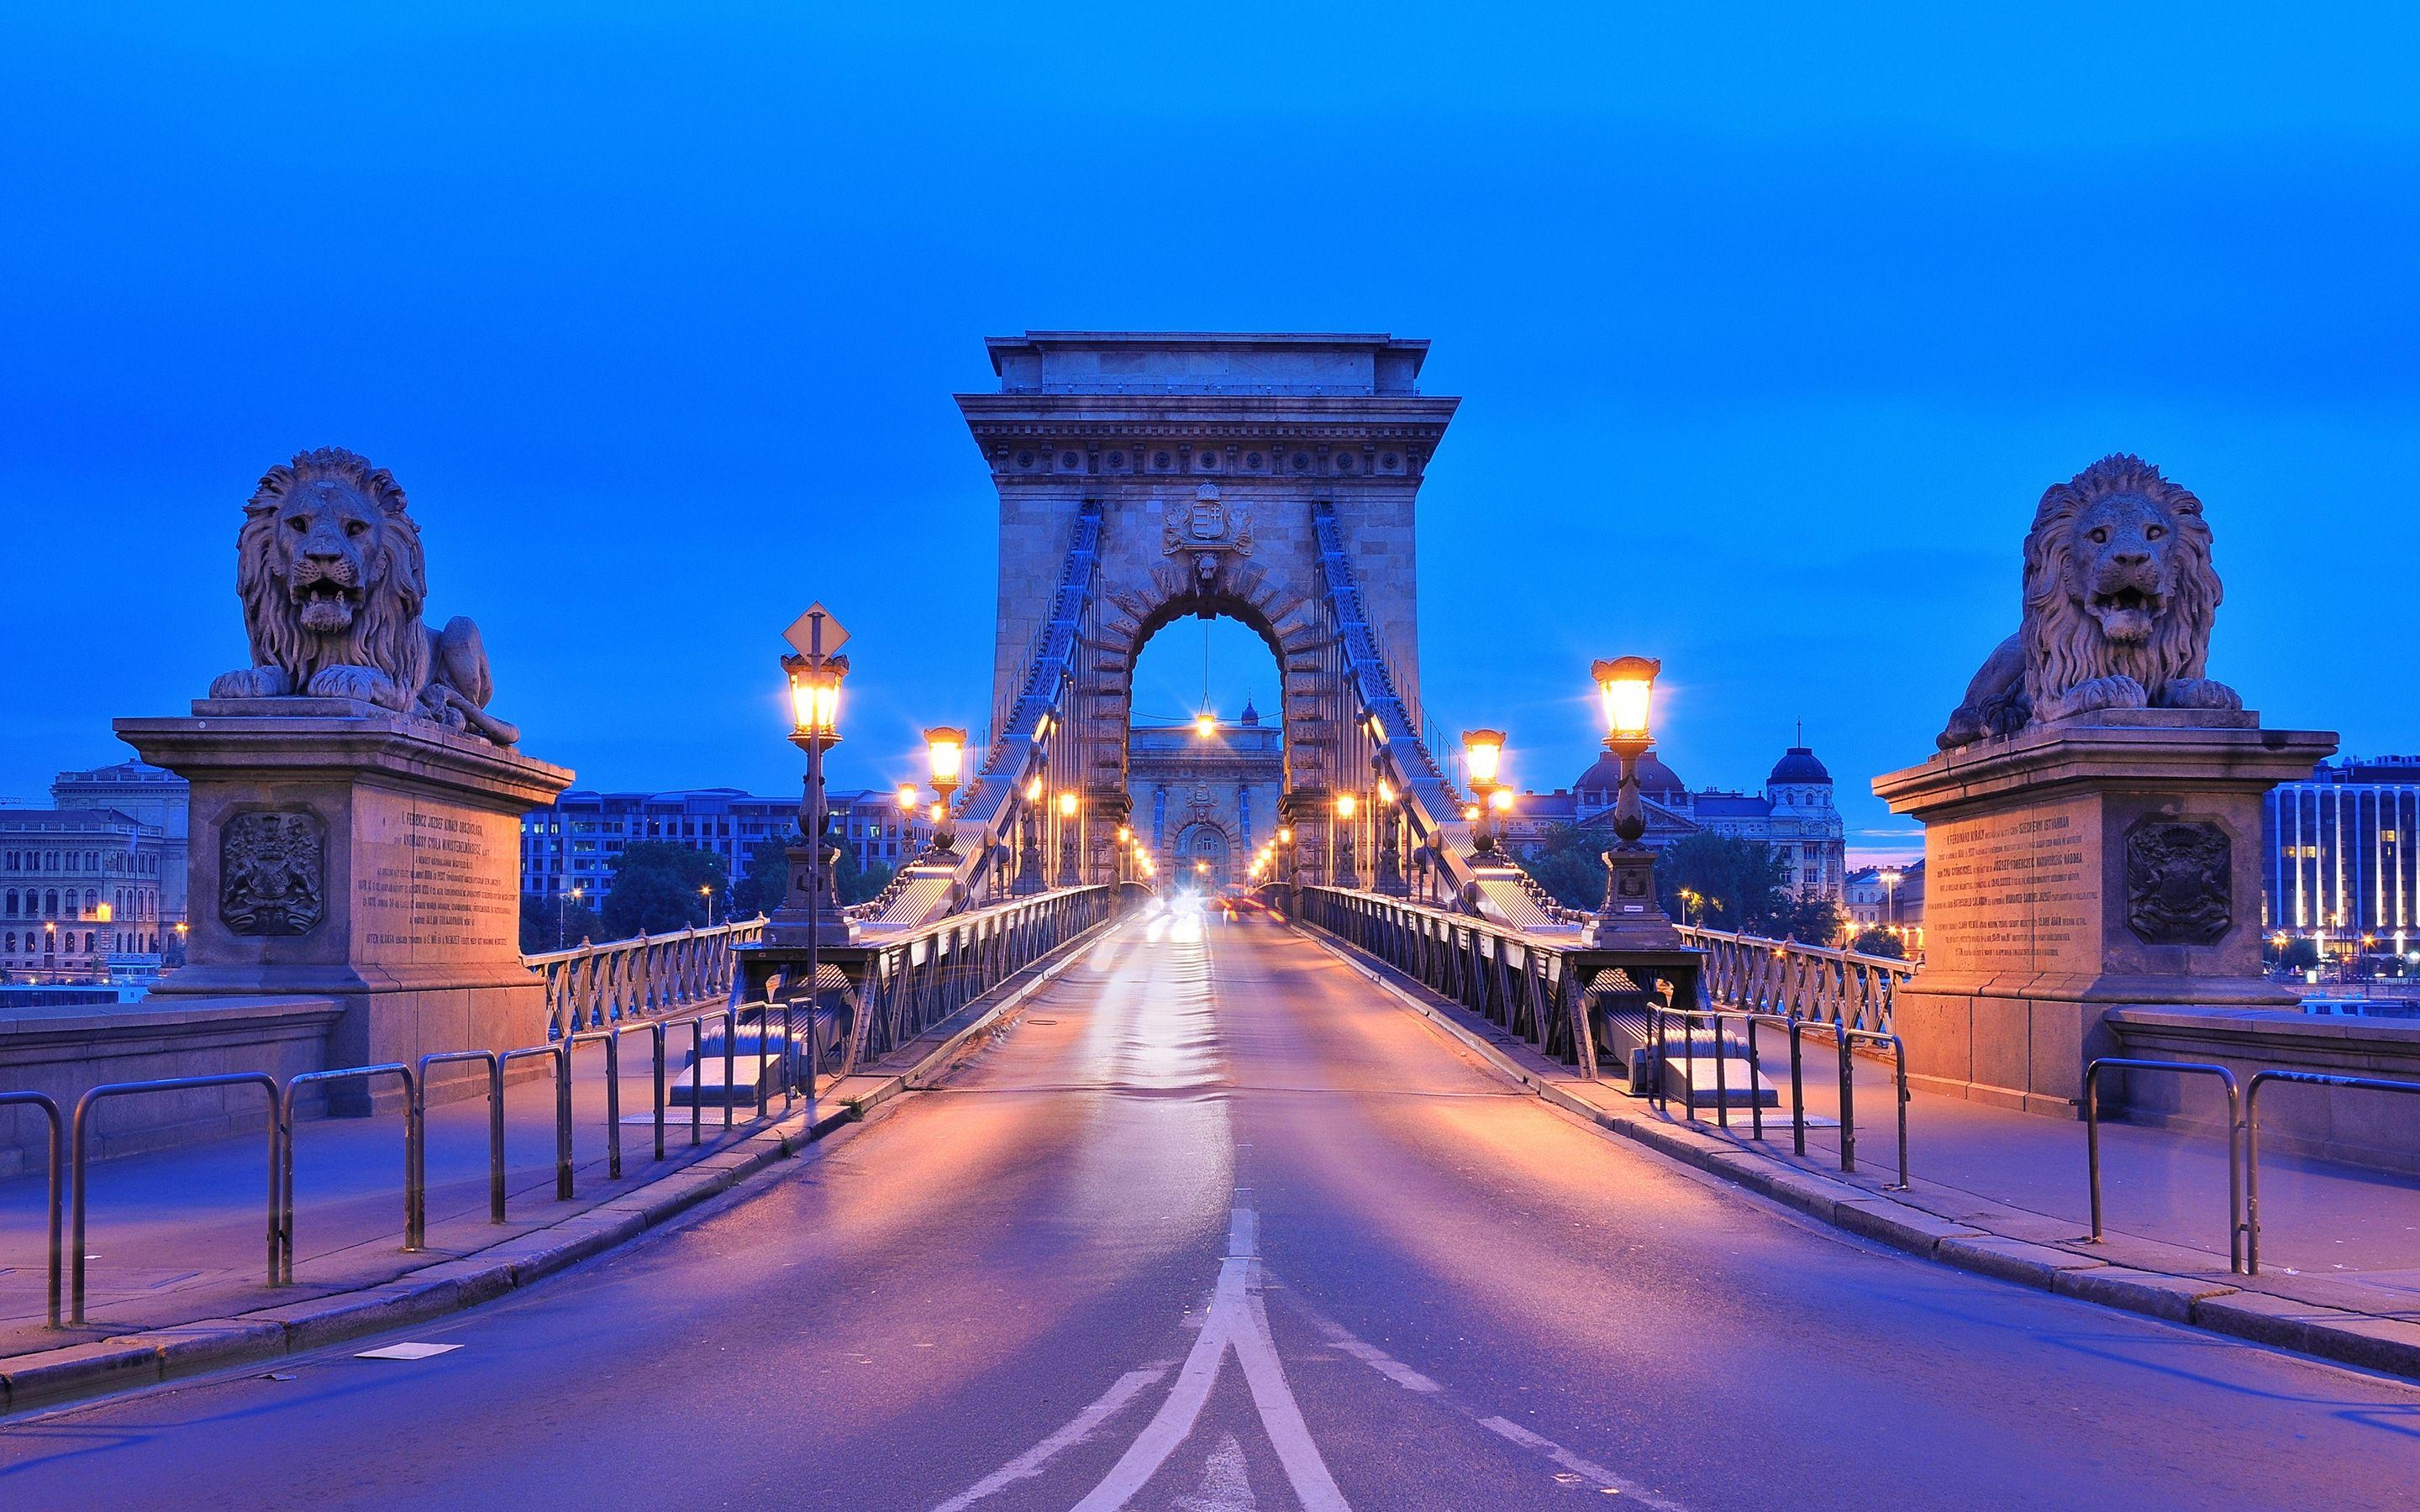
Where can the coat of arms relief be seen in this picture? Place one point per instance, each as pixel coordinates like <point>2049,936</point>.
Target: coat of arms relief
<point>1209,527</point>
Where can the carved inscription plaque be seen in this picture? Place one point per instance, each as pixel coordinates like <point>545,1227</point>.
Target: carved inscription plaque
<point>2015,892</point>
<point>439,884</point>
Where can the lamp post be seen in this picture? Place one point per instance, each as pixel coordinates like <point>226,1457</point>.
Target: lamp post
<point>1286,872</point>
<point>1126,842</point>
<point>706,892</point>
<point>1345,876</point>
<point>1631,914</point>
<point>1890,875</point>
<point>1482,755</point>
<point>946,754</point>
<point>1387,820</point>
<point>1029,858</point>
<point>811,911</point>
<point>562,902</point>
<point>1071,839</point>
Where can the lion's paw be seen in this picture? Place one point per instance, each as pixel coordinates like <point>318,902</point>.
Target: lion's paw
<point>252,683</point>
<point>367,684</point>
<point>2115,691</point>
<point>2200,693</point>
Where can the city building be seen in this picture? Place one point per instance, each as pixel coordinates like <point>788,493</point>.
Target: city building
<point>149,795</point>
<point>579,840</point>
<point>1204,802</point>
<point>79,896</point>
<point>1793,815</point>
<point>2339,859</point>
<point>1890,898</point>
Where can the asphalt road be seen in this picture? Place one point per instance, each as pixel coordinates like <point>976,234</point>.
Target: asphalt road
<point>1219,1226</point>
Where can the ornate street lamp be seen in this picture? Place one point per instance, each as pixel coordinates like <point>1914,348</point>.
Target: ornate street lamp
<point>1631,914</point>
<point>946,754</point>
<point>1482,755</point>
<point>1385,820</point>
<point>1029,859</point>
<point>1345,876</point>
<point>1071,839</point>
<point>810,911</point>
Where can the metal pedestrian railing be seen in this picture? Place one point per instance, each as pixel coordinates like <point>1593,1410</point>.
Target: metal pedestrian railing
<point>914,982</point>
<point>2234,1149</point>
<point>1843,1038</point>
<point>2252,1139</point>
<point>415,1204</point>
<point>57,1150</point>
<point>83,1107</point>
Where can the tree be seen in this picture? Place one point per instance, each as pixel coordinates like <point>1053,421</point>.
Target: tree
<point>859,883</point>
<point>654,888</point>
<point>766,881</point>
<point>1739,883</point>
<point>1813,920</point>
<point>1875,940</point>
<point>553,923</point>
<point>1565,862</point>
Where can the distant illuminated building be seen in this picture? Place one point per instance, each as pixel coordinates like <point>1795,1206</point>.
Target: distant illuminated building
<point>2337,854</point>
<point>1205,804</point>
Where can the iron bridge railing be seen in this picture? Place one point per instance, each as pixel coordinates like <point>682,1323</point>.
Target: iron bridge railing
<point>900,986</point>
<point>590,986</point>
<point>1756,975</point>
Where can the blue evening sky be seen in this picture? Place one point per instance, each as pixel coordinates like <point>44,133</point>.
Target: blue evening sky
<point>1772,322</point>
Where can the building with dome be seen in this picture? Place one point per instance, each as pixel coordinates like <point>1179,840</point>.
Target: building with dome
<point>1793,815</point>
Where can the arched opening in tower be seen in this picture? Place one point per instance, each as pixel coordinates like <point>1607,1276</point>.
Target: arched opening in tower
<point>1205,752</point>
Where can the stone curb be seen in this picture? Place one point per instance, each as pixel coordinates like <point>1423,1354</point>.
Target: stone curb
<point>51,1377</point>
<point>2232,1306</point>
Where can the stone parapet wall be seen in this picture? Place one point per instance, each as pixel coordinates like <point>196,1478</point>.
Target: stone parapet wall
<point>2381,1130</point>
<point>66,1052</point>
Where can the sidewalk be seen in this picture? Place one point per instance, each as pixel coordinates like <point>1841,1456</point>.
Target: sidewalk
<point>179,1234</point>
<point>2005,1194</point>
<point>176,1241</point>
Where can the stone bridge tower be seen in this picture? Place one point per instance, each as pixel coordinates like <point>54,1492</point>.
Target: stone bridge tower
<point>1206,456</point>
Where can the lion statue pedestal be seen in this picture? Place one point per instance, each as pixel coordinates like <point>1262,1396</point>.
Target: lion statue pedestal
<point>343,851</point>
<point>356,812</point>
<point>2093,822</point>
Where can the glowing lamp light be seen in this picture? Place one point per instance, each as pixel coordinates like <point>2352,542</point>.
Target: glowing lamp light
<point>1066,805</point>
<point>938,811</point>
<point>1346,803</point>
<point>1470,813</point>
<point>1483,752</point>
<point>815,695</point>
<point>945,752</point>
<point>1205,724</point>
<point>1285,837</point>
<point>1500,800</point>
<point>1627,686</point>
<point>1124,834</point>
<point>1386,792</point>
<point>906,797</point>
<point>1034,790</point>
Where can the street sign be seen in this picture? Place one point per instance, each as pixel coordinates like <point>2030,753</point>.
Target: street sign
<point>803,635</point>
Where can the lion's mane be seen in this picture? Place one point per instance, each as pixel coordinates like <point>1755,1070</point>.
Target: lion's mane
<point>2064,645</point>
<point>386,633</point>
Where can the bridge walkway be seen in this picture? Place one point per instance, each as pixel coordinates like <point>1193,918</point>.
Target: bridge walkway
<point>1217,1224</point>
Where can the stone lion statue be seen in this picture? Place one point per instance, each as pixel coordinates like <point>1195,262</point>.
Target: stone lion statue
<point>2119,595</point>
<point>328,566</point>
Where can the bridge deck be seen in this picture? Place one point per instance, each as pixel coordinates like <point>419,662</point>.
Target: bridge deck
<point>1218,1223</point>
